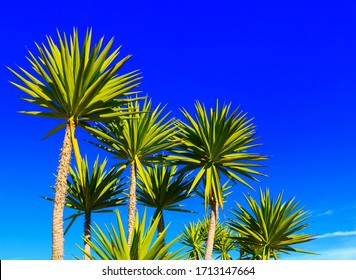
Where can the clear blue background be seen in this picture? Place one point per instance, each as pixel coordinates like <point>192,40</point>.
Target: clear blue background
<point>290,64</point>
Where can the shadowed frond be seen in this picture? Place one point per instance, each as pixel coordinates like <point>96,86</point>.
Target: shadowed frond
<point>93,190</point>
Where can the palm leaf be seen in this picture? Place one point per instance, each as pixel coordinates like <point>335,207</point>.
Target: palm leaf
<point>270,227</point>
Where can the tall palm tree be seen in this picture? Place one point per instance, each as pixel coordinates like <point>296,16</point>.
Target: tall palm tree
<point>92,191</point>
<point>75,85</point>
<point>114,245</point>
<point>216,144</point>
<point>135,142</point>
<point>164,190</point>
<point>270,227</point>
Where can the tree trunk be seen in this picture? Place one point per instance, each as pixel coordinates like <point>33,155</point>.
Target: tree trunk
<point>87,234</point>
<point>160,227</point>
<point>132,203</point>
<point>211,232</point>
<point>60,195</point>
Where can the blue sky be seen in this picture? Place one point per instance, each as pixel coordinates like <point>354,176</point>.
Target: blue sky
<point>289,64</point>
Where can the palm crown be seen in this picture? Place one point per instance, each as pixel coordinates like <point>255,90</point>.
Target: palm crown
<point>77,84</point>
<point>164,190</point>
<point>217,143</point>
<point>270,227</point>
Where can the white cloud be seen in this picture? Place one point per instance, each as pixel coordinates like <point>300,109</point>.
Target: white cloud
<point>338,254</point>
<point>337,233</point>
<point>344,253</point>
<point>326,213</point>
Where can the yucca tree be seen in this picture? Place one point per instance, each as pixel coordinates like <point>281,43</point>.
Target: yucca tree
<point>215,144</point>
<point>76,85</point>
<point>92,190</point>
<point>135,142</point>
<point>224,242</point>
<point>144,245</point>
<point>164,190</point>
<point>195,236</point>
<point>270,227</point>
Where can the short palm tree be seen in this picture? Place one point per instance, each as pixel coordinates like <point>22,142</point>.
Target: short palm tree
<point>144,245</point>
<point>195,236</point>
<point>135,142</point>
<point>224,242</point>
<point>164,190</point>
<point>215,144</point>
<point>92,191</point>
<point>269,227</point>
<point>75,85</point>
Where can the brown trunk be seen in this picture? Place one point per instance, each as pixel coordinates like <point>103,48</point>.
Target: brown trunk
<point>132,204</point>
<point>87,234</point>
<point>160,227</point>
<point>211,232</point>
<point>60,195</point>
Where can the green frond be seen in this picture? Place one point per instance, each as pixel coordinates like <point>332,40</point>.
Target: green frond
<point>270,227</point>
<point>160,187</point>
<point>76,82</point>
<point>142,136</point>
<point>94,189</point>
<point>216,142</point>
<point>144,245</point>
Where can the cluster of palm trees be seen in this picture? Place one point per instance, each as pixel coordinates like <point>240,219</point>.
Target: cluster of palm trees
<point>168,161</point>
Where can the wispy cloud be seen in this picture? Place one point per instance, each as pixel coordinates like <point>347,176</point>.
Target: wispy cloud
<point>319,212</point>
<point>329,254</point>
<point>327,213</point>
<point>338,254</point>
<point>337,233</point>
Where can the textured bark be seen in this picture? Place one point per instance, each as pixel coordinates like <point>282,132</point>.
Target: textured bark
<point>211,232</point>
<point>132,203</point>
<point>60,195</point>
<point>87,234</point>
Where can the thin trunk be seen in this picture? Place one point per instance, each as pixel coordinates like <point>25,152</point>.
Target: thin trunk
<point>132,203</point>
<point>87,235</point>
<point>160,227</point>
<point>60,195</point>
<point>211,232</point>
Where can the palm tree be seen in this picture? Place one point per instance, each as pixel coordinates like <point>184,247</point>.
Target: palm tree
<point>214,145</point>
<point>194,238</point>
<point>114,245</point>
<point>75,85</point>
<point>136,141</point>
<point>270,227</point>
<point>92,191</point>
<point>164,190</point>
<point>224,242</point>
